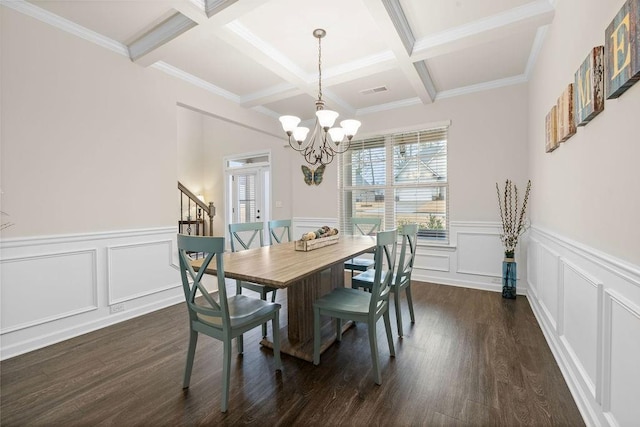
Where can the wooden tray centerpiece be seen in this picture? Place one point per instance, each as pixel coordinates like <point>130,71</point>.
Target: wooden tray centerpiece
<point>320,238</point>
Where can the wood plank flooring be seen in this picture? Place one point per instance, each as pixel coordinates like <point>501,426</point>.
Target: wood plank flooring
<point>472,358</point>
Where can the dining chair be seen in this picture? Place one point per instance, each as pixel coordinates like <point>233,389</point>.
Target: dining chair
<point>365,227</point>
<point>226,319</point>
<point>402,278</point>
<point>278,228</point>
<point>352,304</point>
<point>242,236</point>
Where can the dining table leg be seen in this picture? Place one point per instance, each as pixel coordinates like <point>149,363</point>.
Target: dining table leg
<point>298,333</point>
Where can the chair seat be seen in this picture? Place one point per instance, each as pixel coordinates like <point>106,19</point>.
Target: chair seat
<point>242,310</point>
<point>345,300</point>
<point>365,280</point>
<point>359,264</point>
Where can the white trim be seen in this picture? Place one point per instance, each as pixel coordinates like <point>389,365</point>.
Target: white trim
<point>196,81</point>
<point>82,237</point>
<point>164,32</point>
<point>610,263</point>
<point>479,87</point>
<point>508,17</point>
<point>388,106</point>
<point>535,50</point>
<point>400,23</point>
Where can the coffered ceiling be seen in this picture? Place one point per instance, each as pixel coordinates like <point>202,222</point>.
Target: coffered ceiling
<point>377,55</point>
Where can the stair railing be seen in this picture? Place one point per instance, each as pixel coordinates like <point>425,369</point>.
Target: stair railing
<point>201,207</point>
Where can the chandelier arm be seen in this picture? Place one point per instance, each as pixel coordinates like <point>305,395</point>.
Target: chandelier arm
<point>301,149</point>
<point>337,151</point>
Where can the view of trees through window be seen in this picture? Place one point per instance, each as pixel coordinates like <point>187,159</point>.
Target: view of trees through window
<point>401,178</point>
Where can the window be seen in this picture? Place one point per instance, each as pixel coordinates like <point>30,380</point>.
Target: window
<point>401,178</point>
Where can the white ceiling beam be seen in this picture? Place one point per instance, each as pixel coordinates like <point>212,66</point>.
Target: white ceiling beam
<point>159,35</point>
<point>528,17</point>
<point>213,13</point>
<point>347,72</point>
<point>394,27</point>
<point>240,37</point>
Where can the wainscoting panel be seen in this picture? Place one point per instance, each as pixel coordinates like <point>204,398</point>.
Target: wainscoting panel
<point>479,254</point>
<point>580,321</point>
<point>549,284</point>
<point>30,295</point>
<point>55,288</point>
<point>621,363</point>
<point>139,269</point>
<point>433,262</point>
<point>596,340</point>
<point>533,268</point>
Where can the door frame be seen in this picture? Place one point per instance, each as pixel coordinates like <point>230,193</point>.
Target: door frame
<point>266,187</point>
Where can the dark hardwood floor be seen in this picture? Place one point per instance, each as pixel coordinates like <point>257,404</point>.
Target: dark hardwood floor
<point>472,358</point>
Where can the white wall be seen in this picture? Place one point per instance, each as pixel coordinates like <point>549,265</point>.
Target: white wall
<point>584,251</point>
<point>89,164</point>
<point>190,149</point>
<point>586,190</point>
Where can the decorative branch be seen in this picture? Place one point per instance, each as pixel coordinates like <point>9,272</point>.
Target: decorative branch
<point>512,215</point>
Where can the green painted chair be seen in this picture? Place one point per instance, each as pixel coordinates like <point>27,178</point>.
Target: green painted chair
<point>402,279</point>
<point>364,227</point>
<point>278,229</point>
<point>352,304</point>
<point>242,236</point>
<point>226,319</point>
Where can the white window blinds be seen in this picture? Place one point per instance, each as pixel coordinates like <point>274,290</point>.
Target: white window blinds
<point>401,178</point>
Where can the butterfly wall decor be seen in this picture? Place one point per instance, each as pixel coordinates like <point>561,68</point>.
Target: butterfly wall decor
<point>312,177</point>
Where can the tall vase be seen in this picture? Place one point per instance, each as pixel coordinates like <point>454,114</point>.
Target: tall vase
<point>509,277</point>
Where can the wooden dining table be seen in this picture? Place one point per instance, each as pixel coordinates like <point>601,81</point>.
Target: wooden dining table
<point>305,275</point>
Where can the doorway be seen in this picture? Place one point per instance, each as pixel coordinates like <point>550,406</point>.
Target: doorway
<point>248,188</point>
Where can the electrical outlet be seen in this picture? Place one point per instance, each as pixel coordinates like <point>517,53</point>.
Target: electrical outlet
<point>116,308</point>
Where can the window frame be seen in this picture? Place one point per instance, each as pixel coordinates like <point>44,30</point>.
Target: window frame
<point>389,211</point>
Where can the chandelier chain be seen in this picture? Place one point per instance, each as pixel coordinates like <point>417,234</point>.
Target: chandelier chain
<point>319,69</point>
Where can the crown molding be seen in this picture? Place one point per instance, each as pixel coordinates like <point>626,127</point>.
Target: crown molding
<point>190,78</point>
<point>266,111</point>
<point>355,65</point>
<point>388,106</point>
<point>512,16</point>
<point>70,27</point>
<point>508,81</point>
<point>270,91</point>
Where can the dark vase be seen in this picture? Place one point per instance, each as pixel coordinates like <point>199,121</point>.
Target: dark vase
<point>509,277</point>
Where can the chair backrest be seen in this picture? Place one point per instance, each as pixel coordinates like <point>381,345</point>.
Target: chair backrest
<point>277,230</point>
<point>211,247</point>
<point>409,233</point>
<point>385,258</point>
<point>242,235</point>
<point>366,226</point>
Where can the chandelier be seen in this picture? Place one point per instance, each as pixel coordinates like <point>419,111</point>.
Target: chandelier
<point>325,141</point>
